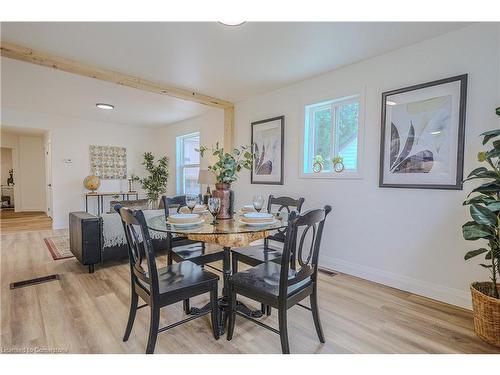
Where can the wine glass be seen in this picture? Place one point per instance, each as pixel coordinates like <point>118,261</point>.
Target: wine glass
<point>191,201</point>
<point>258,202</point>
<point>214,208</point>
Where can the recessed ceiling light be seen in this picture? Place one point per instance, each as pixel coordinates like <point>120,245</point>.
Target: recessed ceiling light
<point>390,102</point>
<point>105,106</point>
<point>232,23</point>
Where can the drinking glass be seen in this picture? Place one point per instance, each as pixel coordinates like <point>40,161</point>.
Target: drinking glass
<point>214,208</point>
<point>191,201</point>
<point>258,202</point>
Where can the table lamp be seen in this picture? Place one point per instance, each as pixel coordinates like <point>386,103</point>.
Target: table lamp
<point>206,177</point>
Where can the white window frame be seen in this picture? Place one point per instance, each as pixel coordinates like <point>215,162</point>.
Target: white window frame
<point>307,116</point>
<point>180,166</point>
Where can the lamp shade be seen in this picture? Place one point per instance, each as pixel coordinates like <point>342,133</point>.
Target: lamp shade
<point>206,177</point>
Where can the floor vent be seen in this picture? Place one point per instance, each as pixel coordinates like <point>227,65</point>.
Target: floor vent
<point>38,280</point>
<point>327,272</point>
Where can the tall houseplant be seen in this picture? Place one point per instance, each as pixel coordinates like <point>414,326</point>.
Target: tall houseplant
<point>226,169</point>
<point>155,183</point>
<point>485,225</point>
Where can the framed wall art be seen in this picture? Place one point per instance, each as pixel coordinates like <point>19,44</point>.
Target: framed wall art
<point>108,162</point>
<point>423,134</point>
<point>267,144</point>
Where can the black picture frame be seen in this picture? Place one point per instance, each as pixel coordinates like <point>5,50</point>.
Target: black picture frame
<point>458,185</point>
<point>282,131</point>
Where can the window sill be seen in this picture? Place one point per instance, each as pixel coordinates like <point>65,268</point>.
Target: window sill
<point>347,175</point>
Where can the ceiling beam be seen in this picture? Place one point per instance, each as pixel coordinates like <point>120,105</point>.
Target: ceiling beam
<point>25,54</point>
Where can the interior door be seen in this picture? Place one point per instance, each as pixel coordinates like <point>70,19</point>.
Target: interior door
<point>48,178</point>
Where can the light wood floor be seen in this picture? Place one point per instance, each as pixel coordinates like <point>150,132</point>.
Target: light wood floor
<point>87,313</point>
<point>11,221</point>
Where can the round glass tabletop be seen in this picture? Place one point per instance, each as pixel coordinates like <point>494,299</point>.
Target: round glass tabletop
<point>231,226</point>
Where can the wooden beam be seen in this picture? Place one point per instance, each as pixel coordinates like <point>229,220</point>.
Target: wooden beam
<point>228,128</point>
<point>17,52</point>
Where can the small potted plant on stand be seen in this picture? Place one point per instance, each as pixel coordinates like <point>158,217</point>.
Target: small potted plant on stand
<point>156,183</point>
<point>226,171</point>
<point>485,212</point>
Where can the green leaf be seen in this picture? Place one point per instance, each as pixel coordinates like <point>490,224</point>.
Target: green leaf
<point>488,188</point>
<point>476,171</point>
<point>473,231</point>
<point>494,207</point>
<point>482,215</point>
<point>489,135</point>
<point>473,253</point>
<point>484,199</point>
<point>493,154</point>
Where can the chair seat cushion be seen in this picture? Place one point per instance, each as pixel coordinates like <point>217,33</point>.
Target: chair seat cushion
<point>260,253</point>
<point>180,276</point>
<point>265,279</point>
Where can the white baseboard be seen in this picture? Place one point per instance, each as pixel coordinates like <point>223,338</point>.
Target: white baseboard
<point>442,293</point>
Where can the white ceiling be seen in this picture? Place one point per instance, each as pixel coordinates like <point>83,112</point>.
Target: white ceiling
<point>231,63</point>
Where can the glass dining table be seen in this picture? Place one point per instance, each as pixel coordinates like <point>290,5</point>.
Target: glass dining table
<point>230,233</point>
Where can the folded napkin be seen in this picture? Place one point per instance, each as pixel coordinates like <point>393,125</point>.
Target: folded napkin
<point>199,208</point>
<point>183,218</point>
<point>254,217</point>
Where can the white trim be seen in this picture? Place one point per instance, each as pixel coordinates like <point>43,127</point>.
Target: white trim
<point>442,293</point>
<point>179,156</point>
<point>346,175</point>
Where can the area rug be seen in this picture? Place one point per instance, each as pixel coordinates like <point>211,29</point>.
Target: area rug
<point>58,247</point>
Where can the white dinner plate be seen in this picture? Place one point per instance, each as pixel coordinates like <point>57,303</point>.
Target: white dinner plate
<point>258,215</point>
<point>185,225</point>
<point>259,224</point>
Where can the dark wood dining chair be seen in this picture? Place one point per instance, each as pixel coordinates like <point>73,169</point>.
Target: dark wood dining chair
<point>181,248</point>
<point>160,287</point>
<point>281,286</point>
<point>266,252</point>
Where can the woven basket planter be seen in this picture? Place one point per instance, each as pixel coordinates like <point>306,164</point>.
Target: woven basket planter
<point>486,312</point>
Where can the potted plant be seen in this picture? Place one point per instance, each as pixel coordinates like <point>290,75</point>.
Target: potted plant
<point>156,183</point>
<point>226,170</point>
<point>485,212</point>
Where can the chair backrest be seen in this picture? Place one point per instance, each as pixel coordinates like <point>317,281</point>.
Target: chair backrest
<point>179,201</point>
<point>140,245</point>
<point>306,251</point>
<point>284,205</point>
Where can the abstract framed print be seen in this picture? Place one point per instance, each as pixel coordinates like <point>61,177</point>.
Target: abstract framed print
<point>267,145</point>
<point>423,134</point>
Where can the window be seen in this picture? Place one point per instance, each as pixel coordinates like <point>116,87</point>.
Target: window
<point>188,164</point>
<point>332,129</point>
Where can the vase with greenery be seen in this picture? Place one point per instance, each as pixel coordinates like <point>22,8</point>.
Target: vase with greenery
<point>155,184</point>
<point>484,207</point>
<point>226,169</point>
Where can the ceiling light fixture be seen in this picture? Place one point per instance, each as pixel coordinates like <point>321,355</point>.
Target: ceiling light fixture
<point>232,23</point>
<point>390,102</point>
<point>105,106</point>
<point>436,132</point>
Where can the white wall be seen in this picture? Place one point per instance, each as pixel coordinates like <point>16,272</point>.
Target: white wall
<point>6,164</point>
<point>70,139</point>
<point>407,238</point>
<point>211,129</point>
